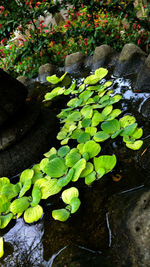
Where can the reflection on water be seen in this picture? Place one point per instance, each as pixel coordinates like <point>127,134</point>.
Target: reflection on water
<point>85,239</point>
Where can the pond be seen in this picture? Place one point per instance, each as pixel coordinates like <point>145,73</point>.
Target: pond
<point>85,239</point>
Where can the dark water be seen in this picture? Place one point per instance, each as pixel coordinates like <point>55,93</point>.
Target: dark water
<point>85,239</point>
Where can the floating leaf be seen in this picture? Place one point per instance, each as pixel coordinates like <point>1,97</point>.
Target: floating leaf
<point>76,133</point>
<point>92,79</point>
<point>115,113</point>
<point>4,181</point>
<point>54,79</point>
<point>81,88</point>
<point>55,92</point>
<point>86,122</point>
<point>37,173</point>
<point>97,118</point>
<point>92,148</point>
<point>72,157</point>
<point>4,204</point>
<point>64,113</point>
<point>107,110</point>
<point>1,247</point>
<point>65,141</point>
<point>19,205</point>
<point>110,127</point>
<point>75,116</point>
<point>129,130</point>
<point>48,187</point>
<point>137,133</point>
<point>78,168</point>
<point>25,188</point>
<point>84,137</point>
<point>5,219</point>
<point>95,88</point>
<point>33,214</point>
<point>26,175</point>
<point>80,148</point>
<point>114,135</point>
<point>66,179</point>
<point>75,204</point>
<point>55,168</point>
<point>10,191</point>
<point>74,102</point>
<point>88,169</point>
<point>104,162</point>
<point>52,151</point>
<point>101,136</point>
<point>70,89</point>
<point>61,135</point>
<point>90,178</point>
<point>85,95</point>
<point>69,194</point>
<point>104,98</point>
<point>91,130</point>
<point>101,73</point>
<point>136,145</point>
<point>36,196</point>
<point>43,163</point>
<point>87,112</point>
<point>126,121</point>
<point>63,151</point>
<point>60,215</point>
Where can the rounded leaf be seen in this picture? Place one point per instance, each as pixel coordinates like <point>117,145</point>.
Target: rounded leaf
<point>88,169</point>
<point>110,127</point>
<point>75,204</point>
<point>90,178</point>
<point>5,219</point>
<point>1,247</point>
<point>26,175</point>
<point>101,136</point>
<point>126,121</point>
<point>63,151</point>
<point>19,205</point>
<point>105,162</point>
<point>55,168</point>
<point>92,148</point>
<point>33,214</point>
<point>69,194</point>
<point>136,145</point>
<point>72,158</point>
<point>61,215</point>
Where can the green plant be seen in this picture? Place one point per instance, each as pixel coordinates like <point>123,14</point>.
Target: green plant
<point>89,119</point>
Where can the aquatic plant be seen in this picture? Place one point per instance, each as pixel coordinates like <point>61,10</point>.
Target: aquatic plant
<point>89,120</point>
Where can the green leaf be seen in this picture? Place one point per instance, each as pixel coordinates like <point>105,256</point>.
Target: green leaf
<point>78,168</point>
<point>26,175</point>
<point>81,88</point>
<point>70,89</point>
<point>90,178</point>
<point>72,157</point>
<point>115,113</point>
<point>1,247</point>
<point>96,88</point>
<point>64,113</point>
<point>85,95</point>
<point>69,194</point>
<point>25,188</point>
<point>92,79</point>
<point>4,181</point>
<point>75,204</point>
<point>5,219</point>
<point>91,130</point>
<point>33,214</point>
<point>104,162</point>
<point>101,136</point>
<point>36,196</point>
<point>136,145</point>
<point>87,112</point>
<point>19,205</point>
<point>86,122</point>
<point>75,116</point>
<point>126,121</point>
<point>66,179</point>
<point>101,73</point>
<point>104,98</point>
<point>74,102</point>
<point>80,148</point>
<point>63,151</point>
<point>4,203</point>
<point>55,168</point>
<point>88,169</point>
<point>43,163</point>
<point>55,92</point>
<point>61,135</point>
<point>10,191</point>
<point>129,130</point>
<point>76,133</point>
<point>65,141</point>
<point>54,79</point>
<point>137,133</point>
<point>60,215</point>
<point>92,148</point>
<point>97,118</point>
<point>110,127</point>
<point>48,187</point>
<point>107,110</point>
<point>37,173</point>
<point>84,137</point>
<point>52,151</point>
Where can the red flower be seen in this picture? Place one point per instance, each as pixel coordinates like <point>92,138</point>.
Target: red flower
<point>3,41</point>
<point>139,42</point>
<point>138,26</point>
<point>58,53</point>
<point>134,26</point>
<point>0,26</point>
<point>37,4</point>
<point>1,9</point>
<point>126,16</point>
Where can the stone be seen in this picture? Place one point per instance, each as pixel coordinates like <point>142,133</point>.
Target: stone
<point>129,220</point>
<point>130,61</point>
<point>145,108</point>
<point>12,96</point>
<point>143,78</point>
<point>74,62</point>
<point>24,80</point>
<point>102,53</point>
<point>46,68</point>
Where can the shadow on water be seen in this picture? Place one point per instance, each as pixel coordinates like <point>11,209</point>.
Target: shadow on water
<point>85,239</point>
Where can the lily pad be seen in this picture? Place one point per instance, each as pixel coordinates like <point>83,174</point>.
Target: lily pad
<point>69,194</point>
<point>101,136</point>
<point>19,205</point>
<point>92,79</point>
<point>56,167</point>
<point>126,121</point>
<point>137,133</point>
<point>91,130</point>
<point>33,214</point>
<point>97,118</point>
<point>72,157</point>
<point>101,73</point>
<point>60,215</point>
<point>84,137</point>
<point>63,151</point>
<point>87,112</point>
<point>54,79</point>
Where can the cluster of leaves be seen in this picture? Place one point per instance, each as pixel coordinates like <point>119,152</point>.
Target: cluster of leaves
<point>88,25</point>
<point>89,119</point>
